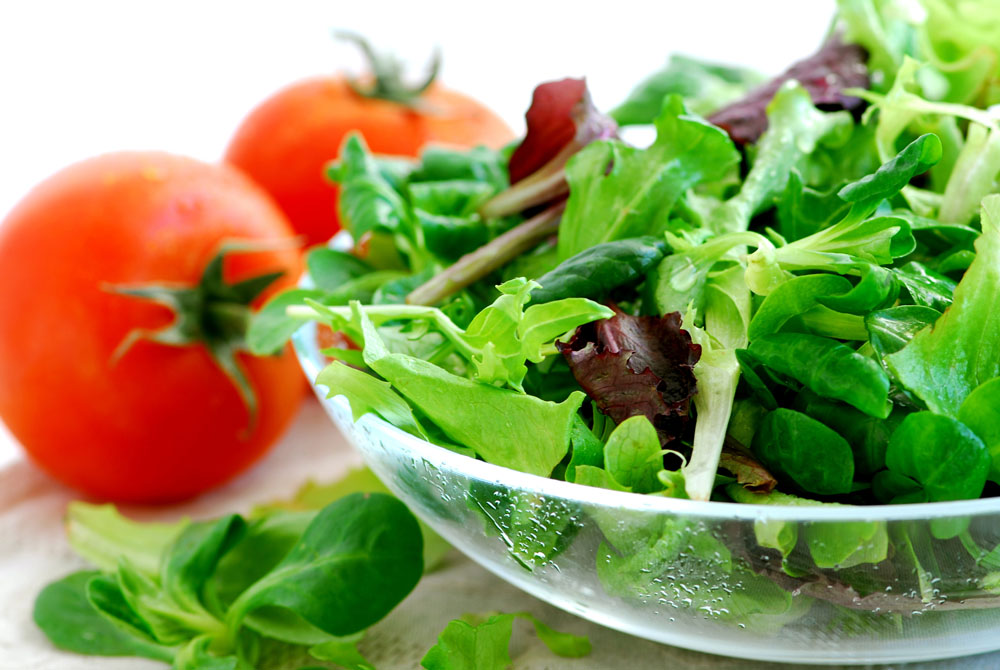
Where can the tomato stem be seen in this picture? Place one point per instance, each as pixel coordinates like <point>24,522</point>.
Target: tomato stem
<point>214,313</point>
<point>387,74</point>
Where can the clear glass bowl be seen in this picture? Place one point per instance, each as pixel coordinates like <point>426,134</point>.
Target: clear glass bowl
<point>701,575</point>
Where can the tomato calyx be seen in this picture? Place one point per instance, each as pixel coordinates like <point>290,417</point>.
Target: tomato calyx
<point>213,313</point>
<point>387,74</point>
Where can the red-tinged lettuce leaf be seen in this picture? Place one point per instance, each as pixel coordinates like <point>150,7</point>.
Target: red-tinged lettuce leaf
<point>551,125</point>
<point>742,464</point>
<point>631,366</point>
<point>825,75</point>
<point>561,121</point>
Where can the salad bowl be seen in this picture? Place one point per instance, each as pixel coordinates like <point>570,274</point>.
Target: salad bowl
<point>706,576</point>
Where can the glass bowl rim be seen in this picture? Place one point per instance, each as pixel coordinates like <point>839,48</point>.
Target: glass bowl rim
<point>312,362</point>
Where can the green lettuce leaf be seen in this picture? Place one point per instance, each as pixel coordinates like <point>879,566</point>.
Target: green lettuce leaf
<point>945,362</point>
<point>618,191</point>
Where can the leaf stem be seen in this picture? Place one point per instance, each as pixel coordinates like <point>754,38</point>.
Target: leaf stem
<point>543,186</point>
<point>489,257</point>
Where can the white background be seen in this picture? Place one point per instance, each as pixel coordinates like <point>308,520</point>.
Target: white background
<point>87,77</point>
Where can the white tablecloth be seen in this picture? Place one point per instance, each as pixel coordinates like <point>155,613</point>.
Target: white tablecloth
<point>33,551</point>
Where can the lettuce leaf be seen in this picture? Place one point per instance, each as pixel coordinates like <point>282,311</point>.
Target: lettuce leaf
<point>945,362</point>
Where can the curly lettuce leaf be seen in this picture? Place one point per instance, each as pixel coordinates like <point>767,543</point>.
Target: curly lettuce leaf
<point>618,191</point>
<point>503,426</point>
<point>631,366</point>
<point>948,360</point>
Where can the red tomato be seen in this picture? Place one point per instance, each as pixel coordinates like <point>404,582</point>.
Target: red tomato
<point>287,140</point>
<point>158,423</point>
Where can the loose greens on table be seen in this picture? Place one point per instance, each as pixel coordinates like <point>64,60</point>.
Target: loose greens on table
<point>291,585</point>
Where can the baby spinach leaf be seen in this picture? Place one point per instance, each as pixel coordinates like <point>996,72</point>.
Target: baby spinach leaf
<point>64,613</point>
<point>835,545</point>
<point>794,129</point>
<point>193,557</point>
<point>890,330</point>
<point>981,413</point>
<point>267,540</point>
<point>588,450</point>
<point>944,363</point>
<point>357,560</point>
<point>595,272</point>
<point>827,368</point>
<point>802,211</point>
<point>840,545</point>
<point>598,477</point>
<point>793,298</point>
<point>943,455</point>
<point>632,455</point>
<point>916,158</point>
<point>926,287</point>
<point>330,269</point>
<point>451,237</point>
<point>479,164</point>
<point>106,597</point>
<point>367,200</point>
<point>867,435</point>
<point>618,191</point>
<point>705,88</point>
<point>804,451</point>
<point>535,529</point>
<point>877,288</point>
<point>170,622</point>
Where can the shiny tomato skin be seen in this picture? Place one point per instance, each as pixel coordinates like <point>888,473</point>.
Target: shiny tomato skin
<point>161,423</point>
<point>285,142</point>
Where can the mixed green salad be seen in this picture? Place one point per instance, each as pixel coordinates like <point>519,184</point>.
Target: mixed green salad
<point>795,293</point>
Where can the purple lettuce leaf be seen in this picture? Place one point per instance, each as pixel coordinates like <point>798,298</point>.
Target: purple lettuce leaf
<point>825,75</point>
<point>562,120</point>
<point>632,366</point>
